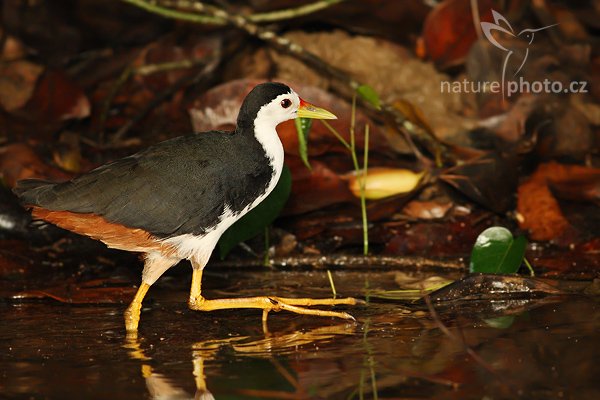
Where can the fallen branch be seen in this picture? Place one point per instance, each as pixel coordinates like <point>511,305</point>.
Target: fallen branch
<point>351,261</point>
<point>161,8</point>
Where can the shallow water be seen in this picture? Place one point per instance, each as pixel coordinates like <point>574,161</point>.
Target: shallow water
<point>540,349</point>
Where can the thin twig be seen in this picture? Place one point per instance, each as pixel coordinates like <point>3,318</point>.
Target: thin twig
<point>150,69</point>
<point>121,80</point>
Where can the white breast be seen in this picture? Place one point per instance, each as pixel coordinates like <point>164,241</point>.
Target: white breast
<point>200,247</point>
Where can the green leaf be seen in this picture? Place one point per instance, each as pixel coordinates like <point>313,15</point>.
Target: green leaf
<point>259,217</point>
<point>497,252</point>
<point>303,126</point>
<point>369,94</point>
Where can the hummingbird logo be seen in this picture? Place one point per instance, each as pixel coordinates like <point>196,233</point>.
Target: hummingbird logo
<point>526,35</point>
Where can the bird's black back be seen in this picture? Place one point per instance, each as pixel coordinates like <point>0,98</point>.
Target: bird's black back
<point>179,186</point>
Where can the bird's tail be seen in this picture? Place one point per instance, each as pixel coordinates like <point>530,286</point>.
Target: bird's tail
<point>30,191</point>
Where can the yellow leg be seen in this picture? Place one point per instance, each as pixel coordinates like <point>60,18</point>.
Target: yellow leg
<point>266,303</point>
<point>132,313</point>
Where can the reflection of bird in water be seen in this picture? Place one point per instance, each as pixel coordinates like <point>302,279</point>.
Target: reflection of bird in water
<point>526,36</point>
<point>161,387</point>
<point>174,200</point>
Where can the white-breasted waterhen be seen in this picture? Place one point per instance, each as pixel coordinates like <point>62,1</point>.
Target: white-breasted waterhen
<point>173,201</point>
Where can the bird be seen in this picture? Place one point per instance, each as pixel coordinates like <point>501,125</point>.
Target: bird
<point>172,201</point>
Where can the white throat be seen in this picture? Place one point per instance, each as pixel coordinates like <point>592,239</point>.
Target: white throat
<point>266,134</point>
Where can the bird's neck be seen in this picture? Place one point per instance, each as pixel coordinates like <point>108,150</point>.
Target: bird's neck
<point>266,135</point>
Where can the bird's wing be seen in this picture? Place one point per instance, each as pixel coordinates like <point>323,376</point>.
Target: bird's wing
<point>159,189</point>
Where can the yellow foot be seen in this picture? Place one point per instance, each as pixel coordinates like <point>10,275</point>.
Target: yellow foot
<point>132,313</point>
<point>273,303</point>
<point>132,317</point>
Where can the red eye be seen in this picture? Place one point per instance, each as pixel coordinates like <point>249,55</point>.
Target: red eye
<point>285,103</point>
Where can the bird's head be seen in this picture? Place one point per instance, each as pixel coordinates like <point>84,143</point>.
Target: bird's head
<point>271,103</point>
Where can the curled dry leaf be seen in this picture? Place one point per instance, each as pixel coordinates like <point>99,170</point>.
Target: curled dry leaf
<point>384,182</point>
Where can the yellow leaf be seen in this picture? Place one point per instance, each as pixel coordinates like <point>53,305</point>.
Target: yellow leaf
<point>385,182</point>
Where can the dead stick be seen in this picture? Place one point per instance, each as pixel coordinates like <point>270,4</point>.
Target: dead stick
<point>352,261</point>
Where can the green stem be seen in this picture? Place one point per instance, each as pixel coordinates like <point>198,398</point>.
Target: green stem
<point>331,283</point>
<point>360,174</point>
<point>529,267</point>
<point>336,134</point>
<point>363,199</point>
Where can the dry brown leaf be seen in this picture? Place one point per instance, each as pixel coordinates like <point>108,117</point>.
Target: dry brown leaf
<point>449,32</point>
<point>314,189</point>
<point>56,98</point>
<point>539,210</point>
